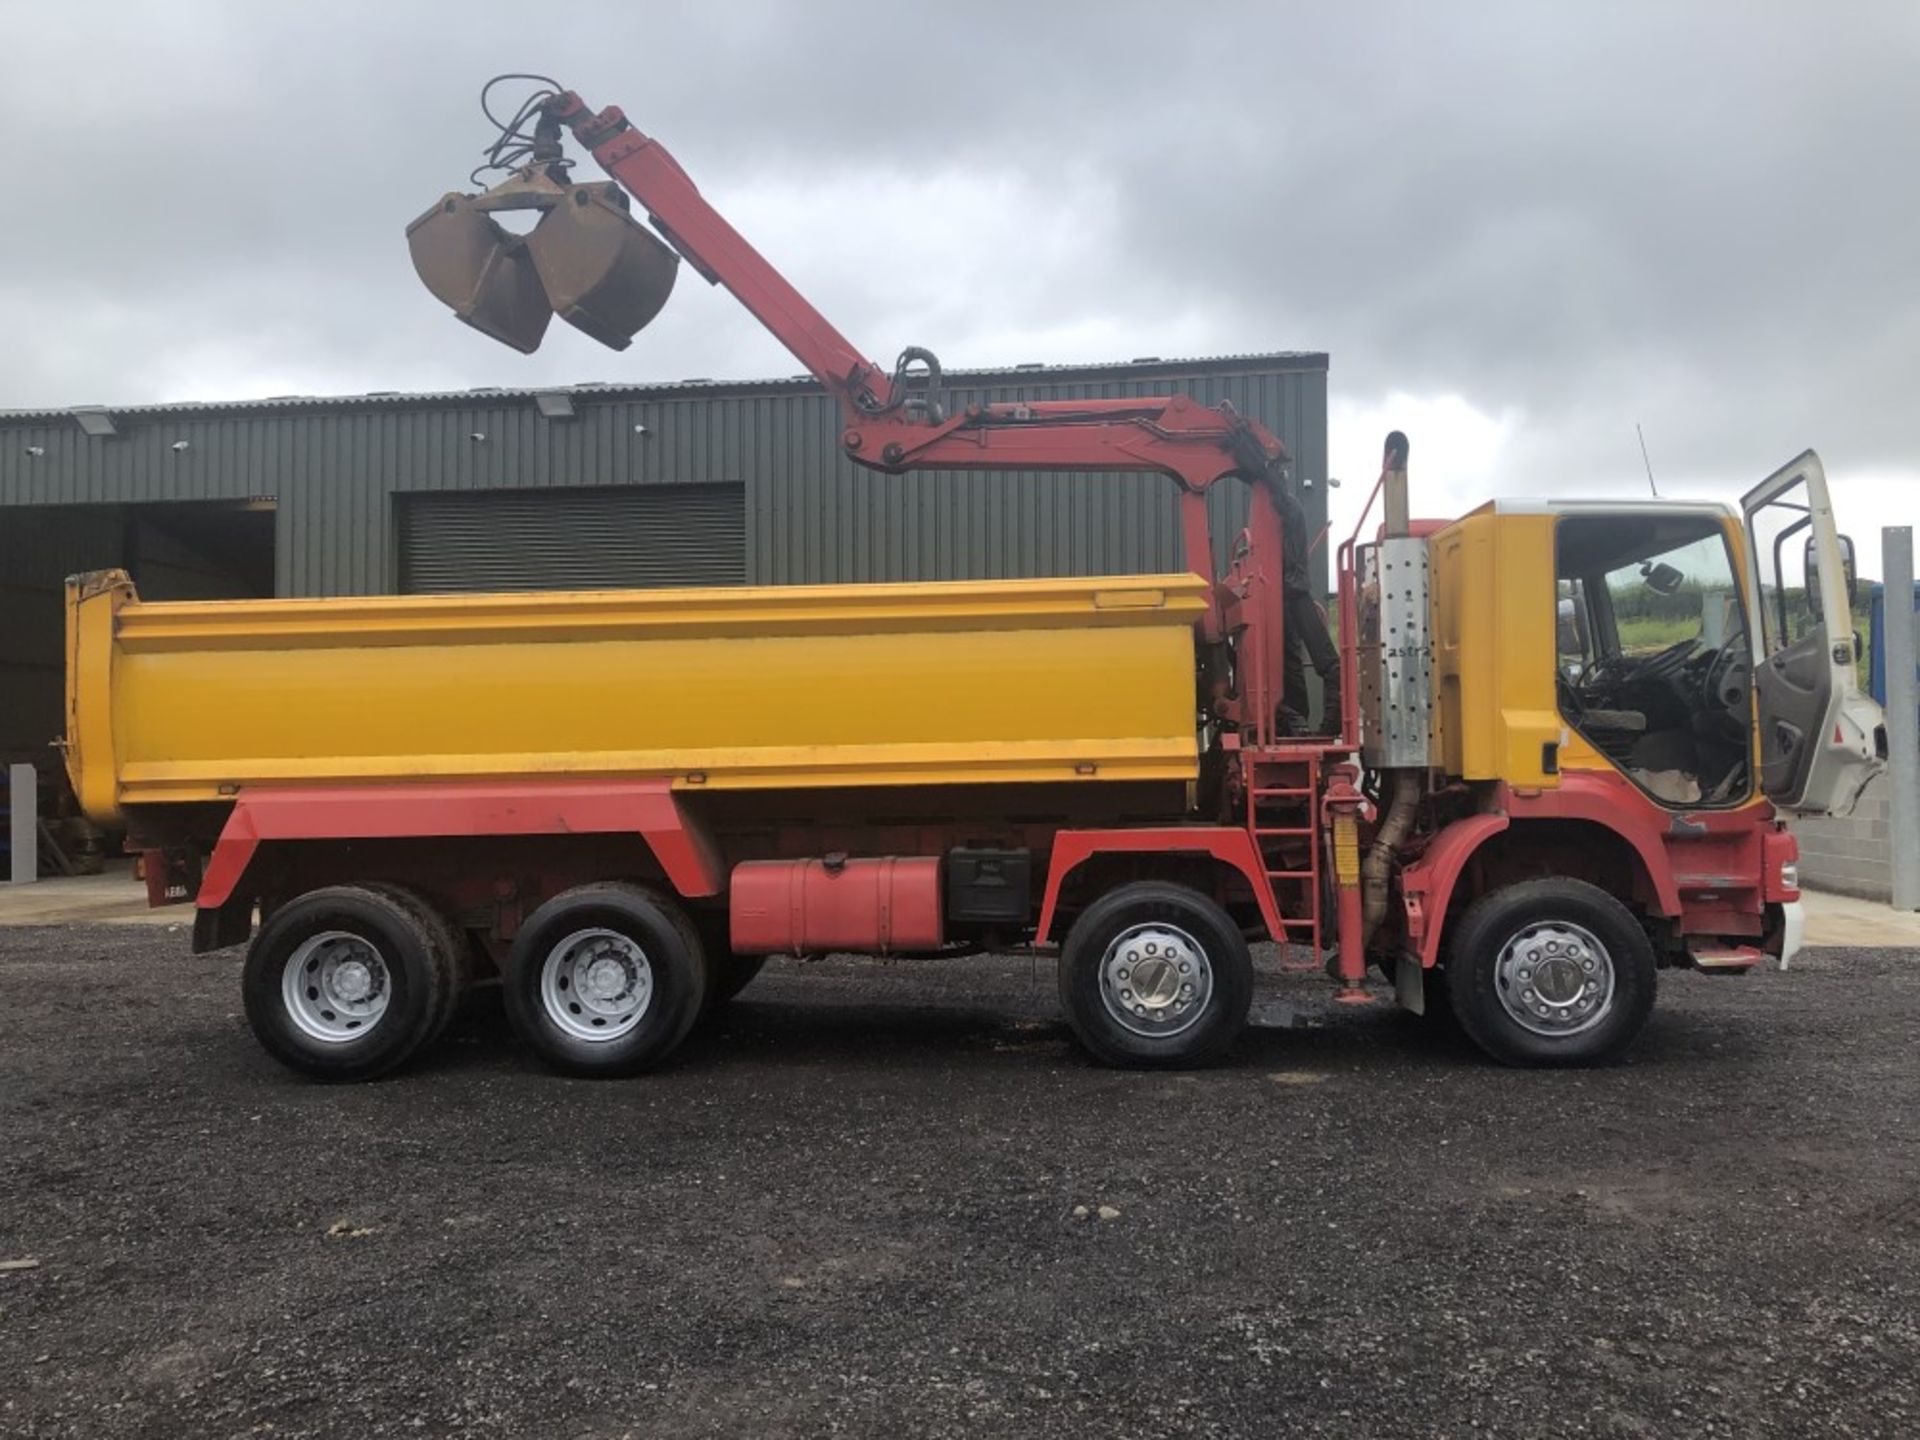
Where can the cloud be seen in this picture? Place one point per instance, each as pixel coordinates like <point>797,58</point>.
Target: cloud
<point>1561,220</point>
<point>1460,458</point>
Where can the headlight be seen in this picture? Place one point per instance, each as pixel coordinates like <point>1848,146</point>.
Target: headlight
<point>1790,876</point>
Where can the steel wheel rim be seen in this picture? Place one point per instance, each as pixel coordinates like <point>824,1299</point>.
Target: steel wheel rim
<point>596,984</point>
<point>336,987</point>
<point>1155,980</point>
<point>1555,979</point>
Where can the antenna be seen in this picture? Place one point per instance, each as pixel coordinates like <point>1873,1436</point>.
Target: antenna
<point>1644,461</point>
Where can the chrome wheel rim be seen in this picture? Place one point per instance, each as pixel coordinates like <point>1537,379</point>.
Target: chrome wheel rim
<point>596,984</point>
<point>335,987</point>
<point>1155,980</point>
<point>1555,979</point>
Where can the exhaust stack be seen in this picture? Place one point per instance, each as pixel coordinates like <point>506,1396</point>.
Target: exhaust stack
<point>1396,696</point>
<point>1395,652</point>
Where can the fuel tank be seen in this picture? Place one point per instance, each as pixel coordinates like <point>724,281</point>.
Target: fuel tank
<point>817,907</point>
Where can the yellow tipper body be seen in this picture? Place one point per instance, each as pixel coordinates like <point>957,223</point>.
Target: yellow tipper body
<point>1493,648</point>
<point>1080,681</point>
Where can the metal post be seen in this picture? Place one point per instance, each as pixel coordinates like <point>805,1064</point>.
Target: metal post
<point>23,801</point>
<point>1903,716</point>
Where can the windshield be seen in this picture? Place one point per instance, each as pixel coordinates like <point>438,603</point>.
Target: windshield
<point>1681,596</point>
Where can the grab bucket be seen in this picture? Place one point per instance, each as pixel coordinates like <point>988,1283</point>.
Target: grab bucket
<point>604,273</point>
<point>586,260</point>
<point>480,271</point>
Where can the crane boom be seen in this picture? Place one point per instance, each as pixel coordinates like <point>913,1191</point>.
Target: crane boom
<point>604,272</point>
<point>1195,444</point>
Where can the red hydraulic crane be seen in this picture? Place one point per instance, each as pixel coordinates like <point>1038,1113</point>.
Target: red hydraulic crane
<point>590,262</point>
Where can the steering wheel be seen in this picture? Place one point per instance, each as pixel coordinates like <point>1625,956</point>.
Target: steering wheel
<point>1595,676</point>
<point>1670,661</point>
<point>1572,702</point>
<point>1654,667</point>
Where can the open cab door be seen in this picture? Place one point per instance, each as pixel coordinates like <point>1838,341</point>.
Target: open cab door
<point>1821,740</point>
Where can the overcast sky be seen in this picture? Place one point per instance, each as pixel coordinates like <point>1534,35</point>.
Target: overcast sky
<point>1518,229</point>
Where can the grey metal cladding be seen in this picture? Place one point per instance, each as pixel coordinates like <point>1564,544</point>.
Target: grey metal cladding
<point>339,467</point>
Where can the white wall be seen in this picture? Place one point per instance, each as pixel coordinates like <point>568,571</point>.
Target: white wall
<point>1851,856</point>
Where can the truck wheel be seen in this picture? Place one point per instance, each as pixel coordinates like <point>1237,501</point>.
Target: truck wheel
<point>1550,972</point>
<point>605,979</point>
<point>452,946</point>
<point>1155,976</point>
<point>345,983</point>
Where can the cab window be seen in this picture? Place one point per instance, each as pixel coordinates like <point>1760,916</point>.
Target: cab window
<point>1655,663</point>
<point>1789,604</point>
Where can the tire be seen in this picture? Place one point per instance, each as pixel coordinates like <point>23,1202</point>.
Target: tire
<point>345,983</point>
<point>653,987</point>
<point>452,947</point>
<point>1600,960</point>
<point>727,974</point>
<point>1199,934</point>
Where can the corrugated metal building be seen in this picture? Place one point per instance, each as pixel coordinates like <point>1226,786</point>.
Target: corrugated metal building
<point>692,483</point>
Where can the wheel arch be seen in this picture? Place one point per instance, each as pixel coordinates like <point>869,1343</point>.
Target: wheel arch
<point>1219,851</point>
<point>1481,853</point>
<point>269,823</point>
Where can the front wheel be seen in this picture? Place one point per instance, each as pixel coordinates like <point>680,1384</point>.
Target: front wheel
<point>1155,976</point>
<point>1550,972</point>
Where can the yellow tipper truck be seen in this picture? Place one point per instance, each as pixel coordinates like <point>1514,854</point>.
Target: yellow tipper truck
<point>1561,736</point>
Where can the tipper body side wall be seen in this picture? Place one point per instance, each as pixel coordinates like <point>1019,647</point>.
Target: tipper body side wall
<point>993,682</point>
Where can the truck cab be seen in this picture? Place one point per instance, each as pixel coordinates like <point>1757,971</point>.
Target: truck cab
<point>1626,695</point>
<point>1692,653</point>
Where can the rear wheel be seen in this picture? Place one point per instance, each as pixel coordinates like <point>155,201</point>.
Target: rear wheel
<point>1155,975</point>
<point>454,950</point>
<point>345,983</point>
<point>605,979</point>
<point>1550,972</point>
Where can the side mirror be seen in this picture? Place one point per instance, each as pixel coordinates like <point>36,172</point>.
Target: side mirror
<point>1662,579</point>
<point>1847,571</point>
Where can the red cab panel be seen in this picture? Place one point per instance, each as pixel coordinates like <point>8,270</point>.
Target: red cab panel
<point>811,907</point>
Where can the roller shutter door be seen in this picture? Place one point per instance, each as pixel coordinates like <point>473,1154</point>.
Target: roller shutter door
<point>567,539</point>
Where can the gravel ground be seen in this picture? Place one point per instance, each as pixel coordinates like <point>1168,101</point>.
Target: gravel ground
<point>854,1205</point>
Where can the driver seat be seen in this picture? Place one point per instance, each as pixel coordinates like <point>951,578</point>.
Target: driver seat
<point>1614,732</point>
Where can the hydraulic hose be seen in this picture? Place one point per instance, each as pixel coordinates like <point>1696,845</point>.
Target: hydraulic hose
<point>1377,869</point>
